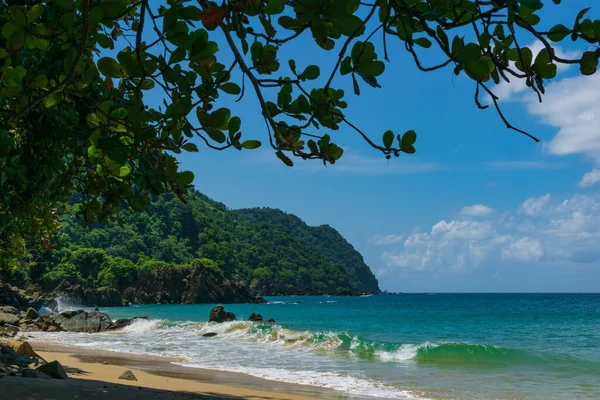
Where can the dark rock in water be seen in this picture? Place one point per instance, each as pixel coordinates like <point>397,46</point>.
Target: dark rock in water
<point>53,369</point>
<point>299,302</point>
<point>82,321</point>
<point>255,318</point>
<point>270,321</point>
<point>261,300</point>
<point>6,318</point>
<point>218,314</point>
<point>123,322</point>
<point>31,313</point>
<point>128,376</point>
<point>210,334</point>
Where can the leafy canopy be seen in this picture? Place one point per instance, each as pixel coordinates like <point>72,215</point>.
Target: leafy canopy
<point>76,75</point>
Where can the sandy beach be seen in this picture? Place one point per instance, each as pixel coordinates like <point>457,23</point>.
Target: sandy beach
<point>94,374</point>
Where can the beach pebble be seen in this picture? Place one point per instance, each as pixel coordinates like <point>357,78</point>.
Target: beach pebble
<point>128,376</point>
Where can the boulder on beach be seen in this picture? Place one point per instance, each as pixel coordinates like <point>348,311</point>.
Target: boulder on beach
<point>9,310</point>
<point>271,321</point>
<point>8,356</point>
<point>53,369</point>
<point>31,313</point>
<point>22,348</point>
<point>255,318</point>
<point>218,314</point>
<point>128,376</point>
<point>10,319</point>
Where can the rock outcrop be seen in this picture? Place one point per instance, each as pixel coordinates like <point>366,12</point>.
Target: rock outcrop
<point>218,314</point>
<point>53,369</point>
<point>189,285</point>
<point>255,318</point>
<point>82,321</point>
<point>75,321</point>
<point>10,319</point>
<point>22,347</point>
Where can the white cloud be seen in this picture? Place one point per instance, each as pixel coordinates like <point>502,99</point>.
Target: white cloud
<point>591,178</point>
<point>534,205</point>
<point>541,229</point>
<point>573,106</point>
<point>525,249</point>
<point>385,239</point>
<point>476,210</point>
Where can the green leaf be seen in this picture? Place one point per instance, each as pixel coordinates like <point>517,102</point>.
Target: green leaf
<point>589,63</point>
<point>311,72</point>
<point>219,118</point>
<point>533,4</point>
<point>124,171</point>
<point>251,144</point>
<point>423,42</point>
<point>109,67</point>
<point>185,178</point>
<point>9,29</point>
<point>34,13</point>
<point>286,160</point>
<point>93,121</point>
<point>346,66</point>
<point>177,56</point>
<point>356,87</point>
<point>216,135</point>
<point>191,147</point>
<point>409,138</point>
<point>192,13</point>
<point>52,99</point>
<point>16,42</point>
<point>96,15</point>
<point>17,13</point>
<point>375,68</point>
<point>230,88</point>
<point>408,149</point>
<point>388,139</point>
<point>558,33</point>
<point>274,7</point>
<point>234,125</point>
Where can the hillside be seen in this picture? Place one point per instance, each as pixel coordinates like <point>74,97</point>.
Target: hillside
<point>266,250</point>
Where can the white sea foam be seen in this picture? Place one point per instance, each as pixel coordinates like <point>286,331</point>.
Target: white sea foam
<point>269,352</point>
<point>329,380</point>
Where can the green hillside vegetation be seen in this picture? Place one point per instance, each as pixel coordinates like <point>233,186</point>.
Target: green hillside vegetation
<point>266,249</point>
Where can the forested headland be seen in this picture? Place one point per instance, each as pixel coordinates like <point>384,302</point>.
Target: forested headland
<point>263,250</point>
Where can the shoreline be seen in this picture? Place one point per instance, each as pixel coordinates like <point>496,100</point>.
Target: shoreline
<point>97,371</point>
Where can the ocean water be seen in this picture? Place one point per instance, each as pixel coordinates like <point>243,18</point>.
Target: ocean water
<point>455,346</point>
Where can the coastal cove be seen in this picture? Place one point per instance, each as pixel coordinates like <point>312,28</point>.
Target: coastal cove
<point>536,346</point>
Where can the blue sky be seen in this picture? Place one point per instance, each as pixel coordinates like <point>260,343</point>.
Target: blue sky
<point>478,208</point>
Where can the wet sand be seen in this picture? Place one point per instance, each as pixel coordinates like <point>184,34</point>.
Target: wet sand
<point>94,374</point>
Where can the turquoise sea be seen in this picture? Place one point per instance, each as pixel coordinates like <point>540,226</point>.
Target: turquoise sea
<point>455,346</point>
